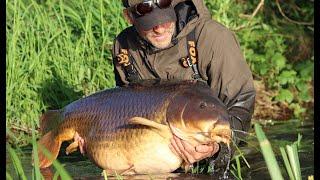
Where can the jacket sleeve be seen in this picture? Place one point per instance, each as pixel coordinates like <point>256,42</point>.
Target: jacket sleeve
<point>231,79</point>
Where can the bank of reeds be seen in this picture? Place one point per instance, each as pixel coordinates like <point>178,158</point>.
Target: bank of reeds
<point>57,51</point>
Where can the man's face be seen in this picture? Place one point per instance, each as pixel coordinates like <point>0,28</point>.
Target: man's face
<point>159,36</point>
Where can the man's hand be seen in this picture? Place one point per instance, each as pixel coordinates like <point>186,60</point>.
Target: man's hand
<point>190,153</point>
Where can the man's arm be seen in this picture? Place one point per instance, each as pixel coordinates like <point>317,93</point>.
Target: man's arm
<point>231,80</point>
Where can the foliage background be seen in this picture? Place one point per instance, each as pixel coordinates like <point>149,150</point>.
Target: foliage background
<point>59,51</point>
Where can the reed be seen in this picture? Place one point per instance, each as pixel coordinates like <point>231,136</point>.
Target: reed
<point>16,163</point>
<point>291,159</point>
<point>58,166</point>
<point>289,155</point>
<point>267,152</point>
<point>36,169</point>
<point>36,173</point>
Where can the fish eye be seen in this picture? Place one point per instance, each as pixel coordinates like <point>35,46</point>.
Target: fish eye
<point>203,105</point>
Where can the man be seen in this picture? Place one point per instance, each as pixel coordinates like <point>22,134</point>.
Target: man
<point>179,40</point>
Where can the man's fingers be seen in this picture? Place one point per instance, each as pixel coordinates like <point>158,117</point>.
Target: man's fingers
<point>205,148</point>
<point>187,150</point>
<point>191,154</point>
<point>190,158</point>
<point>186,156</point>
<point>208,150</point>
<point>177,150</point>
<point>188,147</point>
<point>216,148</point>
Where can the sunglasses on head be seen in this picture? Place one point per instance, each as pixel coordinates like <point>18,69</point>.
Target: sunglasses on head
<point>147,6</point>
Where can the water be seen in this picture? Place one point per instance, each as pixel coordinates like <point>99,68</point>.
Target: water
<point>281,134</point>
<point>278,133</point>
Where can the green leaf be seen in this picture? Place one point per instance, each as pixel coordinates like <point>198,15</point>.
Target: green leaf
<point>285,95</point>
<point>286,163</point>
<point>304,95</point>
<point>287,77</point>
<point>305,69</point>
<point>269,44</point>
<point>301,85</point>
<point>8,176</point>
<point>249,53</point>
<point>297,109</point>
<point>279,60</point>
<point>263,68</point>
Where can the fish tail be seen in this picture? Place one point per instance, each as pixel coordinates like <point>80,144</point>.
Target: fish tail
<point>52,144</point>
<point>50,120</point>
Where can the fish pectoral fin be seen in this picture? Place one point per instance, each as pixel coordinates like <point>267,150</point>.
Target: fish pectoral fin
<point>178,132</point>
<point>183,135</point>
<point>72,147</point>
<point>149,123</point>
<point>78,142</point>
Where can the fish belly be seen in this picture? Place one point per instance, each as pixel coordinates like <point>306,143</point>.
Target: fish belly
<point>142,152</point>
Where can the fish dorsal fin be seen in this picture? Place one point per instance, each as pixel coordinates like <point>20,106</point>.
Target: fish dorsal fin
<point>149,123</point>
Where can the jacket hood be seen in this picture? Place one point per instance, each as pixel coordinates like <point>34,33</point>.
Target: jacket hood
<point>202,13</point>
<point>201,8</point>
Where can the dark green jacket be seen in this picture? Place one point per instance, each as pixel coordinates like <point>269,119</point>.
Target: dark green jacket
<point>220,61</point>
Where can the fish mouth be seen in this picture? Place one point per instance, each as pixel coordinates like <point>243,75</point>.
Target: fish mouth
<point>219,134</point>
<point>223,136</point>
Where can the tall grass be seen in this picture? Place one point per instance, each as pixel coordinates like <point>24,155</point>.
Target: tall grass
<point>36,172</point>
<point>57,51</point>
<point>16,163</point>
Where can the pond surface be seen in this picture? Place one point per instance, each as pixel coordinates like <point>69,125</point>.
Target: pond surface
<point>278,133</point>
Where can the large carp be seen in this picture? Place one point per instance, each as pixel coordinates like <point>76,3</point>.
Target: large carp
<point>127,130</point>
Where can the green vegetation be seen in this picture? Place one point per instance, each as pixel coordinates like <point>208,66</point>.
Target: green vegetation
<point>291,159</point>
<point>289,155</point>
<point>279,51</point>
<point>16,163</point>
<point>236,170</point>
<point>36,173</point>
<point>269,157</point>
<point>59,51</point>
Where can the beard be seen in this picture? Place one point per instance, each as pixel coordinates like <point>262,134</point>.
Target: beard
<point>160,41</point>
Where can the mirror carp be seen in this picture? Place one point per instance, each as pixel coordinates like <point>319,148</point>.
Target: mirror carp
<point>127,130</point>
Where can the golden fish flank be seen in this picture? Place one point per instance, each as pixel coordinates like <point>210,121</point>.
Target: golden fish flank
<point>128,130</point>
